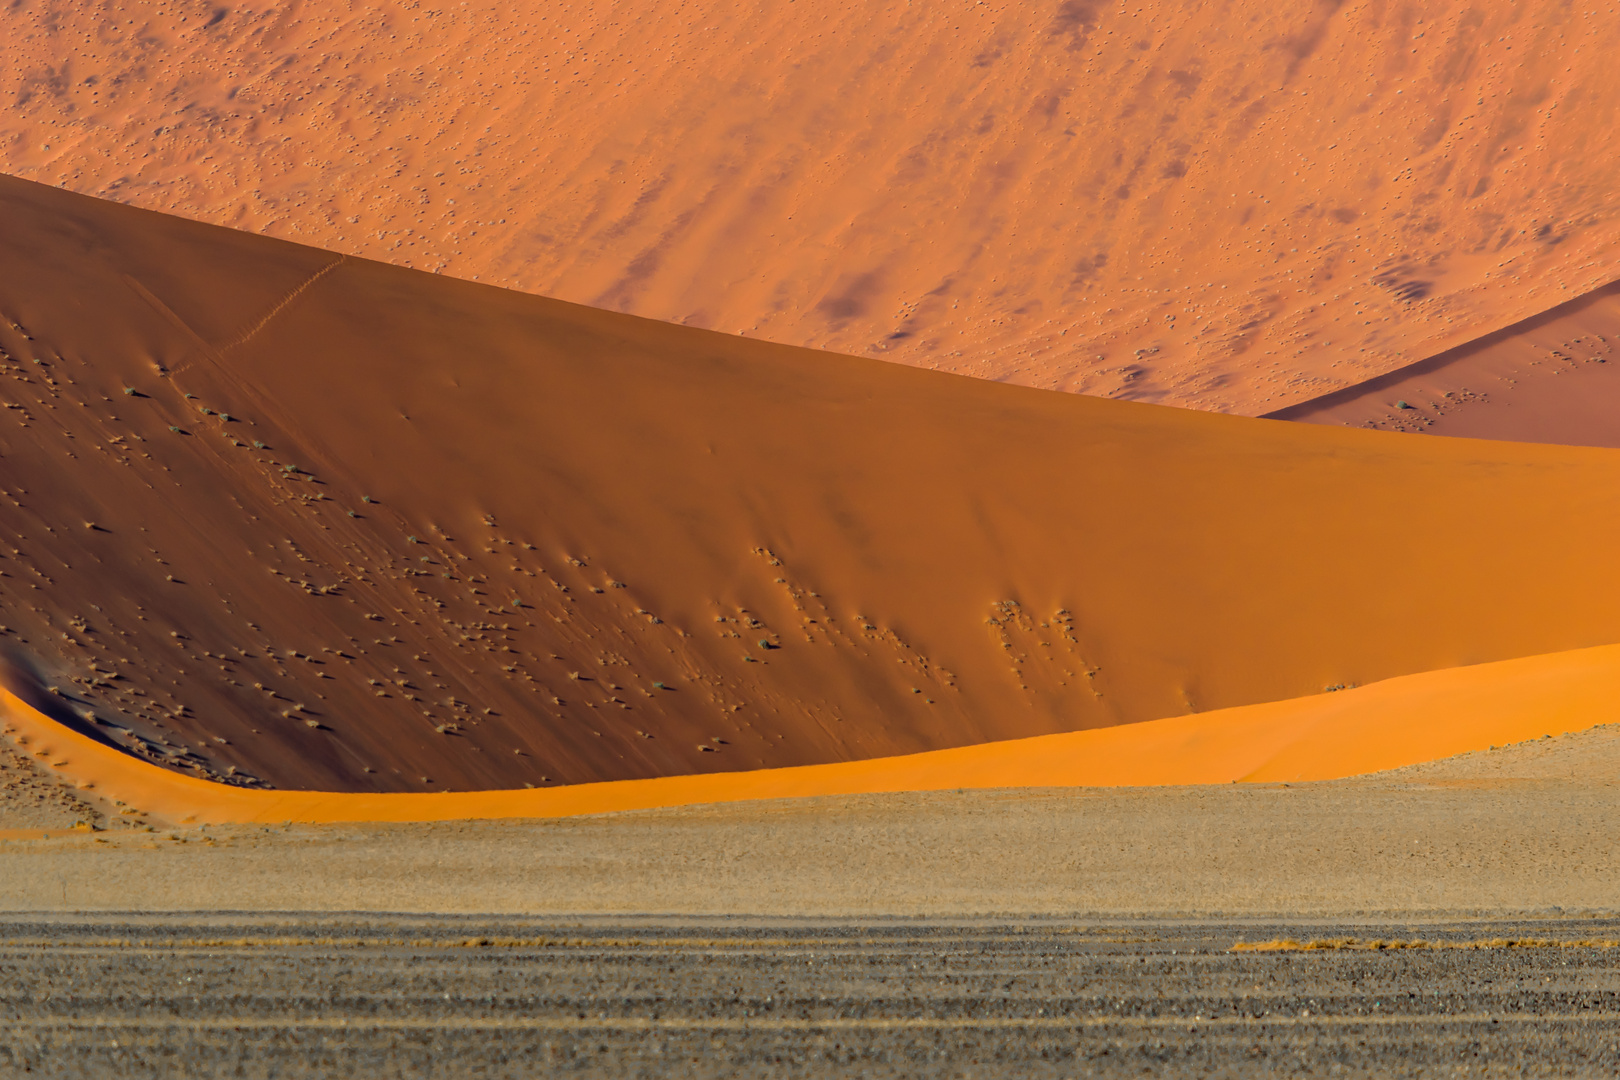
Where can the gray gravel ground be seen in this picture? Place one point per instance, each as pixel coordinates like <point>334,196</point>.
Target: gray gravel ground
<point>378,996</point>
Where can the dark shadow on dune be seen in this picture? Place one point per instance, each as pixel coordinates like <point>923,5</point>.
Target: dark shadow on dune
<point>20,675</point>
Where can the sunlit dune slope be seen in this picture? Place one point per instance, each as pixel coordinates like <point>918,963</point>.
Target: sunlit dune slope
<point>1399,722</point>
<point>1553,378</point>
<point>301,516</point>
<point>1235,206</point>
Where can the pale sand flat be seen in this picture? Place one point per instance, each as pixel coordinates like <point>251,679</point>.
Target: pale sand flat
<point>1519,830</point>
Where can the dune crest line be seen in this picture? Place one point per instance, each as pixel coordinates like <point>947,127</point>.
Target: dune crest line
<point>1387,725</point>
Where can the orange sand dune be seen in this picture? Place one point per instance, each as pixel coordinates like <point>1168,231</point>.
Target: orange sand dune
<point>1234,206</point>
<point>277,516</point>
<point>1553,378</point>
<point>1390,724</point>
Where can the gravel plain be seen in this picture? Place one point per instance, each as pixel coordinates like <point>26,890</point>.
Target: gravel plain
<point>294,996</point>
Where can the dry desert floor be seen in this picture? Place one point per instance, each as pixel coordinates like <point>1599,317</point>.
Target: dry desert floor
<point>1447,919</point>
<point>1520,830</point>
<point>321,996</point>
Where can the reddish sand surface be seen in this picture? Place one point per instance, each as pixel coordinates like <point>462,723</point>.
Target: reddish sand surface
<point>1400,722</point>
<point>1231,206</point>
<point>276,516</point>
<point>1554,378</point>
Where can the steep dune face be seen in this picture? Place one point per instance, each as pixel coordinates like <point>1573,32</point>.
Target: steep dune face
<point>1232,206</point>
<point>336,524</point>
<point>1554,378</point>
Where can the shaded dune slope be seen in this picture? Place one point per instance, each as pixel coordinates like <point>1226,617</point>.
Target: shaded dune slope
<point>1233,206</point>
<point>275,515</point>
<point>1553,378</point>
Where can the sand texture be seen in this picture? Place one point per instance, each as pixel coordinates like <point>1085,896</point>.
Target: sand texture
<point>1516,830</point>
<point>1553,378</point>
<point>33,797</point>
<point>1232,206</point>
<point>1391,724</point>
<point>276,516</point>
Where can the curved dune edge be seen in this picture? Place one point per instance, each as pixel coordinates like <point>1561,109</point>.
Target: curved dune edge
<point>1386,725</point>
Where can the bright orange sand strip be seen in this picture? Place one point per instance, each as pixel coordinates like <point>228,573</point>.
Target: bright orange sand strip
<point>1389,724</point>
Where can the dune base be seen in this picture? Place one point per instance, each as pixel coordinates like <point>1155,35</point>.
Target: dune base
<point>1387,725</point>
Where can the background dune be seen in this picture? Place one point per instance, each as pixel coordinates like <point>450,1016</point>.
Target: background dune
<point>1233,206</point>
<point>275,515</point>
<point>1552,378</point>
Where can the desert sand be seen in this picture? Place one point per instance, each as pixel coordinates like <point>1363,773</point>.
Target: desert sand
<point>1551,378</point>
<point>1391,724</point>
<point>277,516</point>
<point>1234,206</point>
<point>1516,830</point>
<point>32,797</point>
<point>778,538</point>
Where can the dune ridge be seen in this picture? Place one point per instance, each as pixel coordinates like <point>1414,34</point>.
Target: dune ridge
<point>1232,206</point>
<point>279,517</point>
<point>1400,722</point>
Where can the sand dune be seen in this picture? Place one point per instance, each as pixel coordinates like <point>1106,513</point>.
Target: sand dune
<point>277,516</point>
<point>33,796</point>
<point>1552,378</point>
<point>1389,725</point>
<point>1232,206</point>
